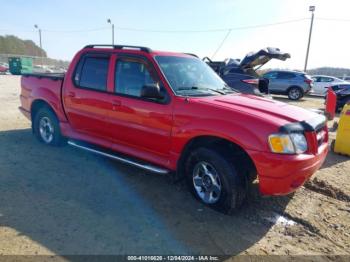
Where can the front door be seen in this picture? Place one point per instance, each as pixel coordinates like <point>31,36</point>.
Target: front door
<point>142,125</point>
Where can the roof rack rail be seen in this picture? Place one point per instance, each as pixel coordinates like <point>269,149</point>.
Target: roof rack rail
<point>141,48</point>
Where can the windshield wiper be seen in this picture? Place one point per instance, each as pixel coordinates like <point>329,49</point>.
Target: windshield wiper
<point>217,91</point>
<point>230,89</point>
<point>197,88</point>
<point>187,88</point>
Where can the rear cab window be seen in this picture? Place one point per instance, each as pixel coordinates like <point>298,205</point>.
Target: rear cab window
<point>92,72</point>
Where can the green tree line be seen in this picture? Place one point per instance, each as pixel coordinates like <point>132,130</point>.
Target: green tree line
<point>10,44</point>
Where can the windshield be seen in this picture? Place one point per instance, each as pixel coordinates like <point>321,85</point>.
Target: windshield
<point>191,77</point>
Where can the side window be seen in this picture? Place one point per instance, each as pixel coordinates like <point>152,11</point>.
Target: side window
<point>271,75</point>
<point>285,75</point>
<point>131,76</point>
<point>92,73</point>
<point>326,79</point>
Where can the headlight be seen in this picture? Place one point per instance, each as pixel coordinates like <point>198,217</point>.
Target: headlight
<point>288,143</point>
<point>299,142</point>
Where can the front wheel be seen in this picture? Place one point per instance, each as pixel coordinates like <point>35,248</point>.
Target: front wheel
<point>295,93</point>
<point>46,127</point>
<point>214,180</point>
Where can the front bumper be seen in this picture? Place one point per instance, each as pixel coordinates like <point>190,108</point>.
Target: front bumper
<point>282,174</point>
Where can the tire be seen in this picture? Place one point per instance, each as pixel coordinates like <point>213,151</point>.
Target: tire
<point>332,145</point>
<point>218,184</point>
<point>46,127</point>
<point>295,93</point>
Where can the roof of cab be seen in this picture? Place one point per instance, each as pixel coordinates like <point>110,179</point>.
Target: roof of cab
<point>138,49</point>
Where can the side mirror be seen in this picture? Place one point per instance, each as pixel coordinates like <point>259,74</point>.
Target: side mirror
<point>151,91</point>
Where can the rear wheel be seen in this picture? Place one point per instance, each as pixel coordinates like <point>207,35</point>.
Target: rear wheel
<point>214,180</point>
<point>46,127</point>
<point>295,93</point>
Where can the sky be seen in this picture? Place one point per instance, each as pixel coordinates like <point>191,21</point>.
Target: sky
<point>69,25</point>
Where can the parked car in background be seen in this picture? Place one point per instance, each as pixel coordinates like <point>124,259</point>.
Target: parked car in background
<point>170,113</point>
<point>4,68</point>
<point>42,69</point>
<point>343,95</point>
<point>291,83</point>
<point>321,84</point>
<point>242,75</point>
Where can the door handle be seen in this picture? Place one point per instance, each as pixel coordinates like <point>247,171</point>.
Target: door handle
<point>116,104</point>
<point>71,94</point>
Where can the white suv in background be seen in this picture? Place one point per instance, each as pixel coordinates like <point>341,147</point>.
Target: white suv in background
<point>321,84</point>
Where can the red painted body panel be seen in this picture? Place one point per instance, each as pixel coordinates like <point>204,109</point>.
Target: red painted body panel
<point>331,103</point>
<point>44,89</point>
<point>282,174</point>
<point>158,133</point>
<point>3,69</point>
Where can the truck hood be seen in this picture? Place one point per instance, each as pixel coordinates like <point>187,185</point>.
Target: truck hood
<point>260,58</point>
<point>278,112</point>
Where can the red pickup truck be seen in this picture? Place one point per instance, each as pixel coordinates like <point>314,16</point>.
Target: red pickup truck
<point>171,113</point>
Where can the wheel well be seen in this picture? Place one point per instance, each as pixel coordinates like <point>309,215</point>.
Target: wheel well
<point>289,88</point>
<point>38,104</point>
<point>221,145</point>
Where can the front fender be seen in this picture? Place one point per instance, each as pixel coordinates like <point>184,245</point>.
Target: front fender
<point>237,134</point>
<point>243,136</point>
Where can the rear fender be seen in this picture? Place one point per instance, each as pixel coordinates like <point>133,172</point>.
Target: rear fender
<point>52,99</point>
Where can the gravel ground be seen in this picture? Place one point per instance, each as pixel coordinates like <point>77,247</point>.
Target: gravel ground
<point>65,201</point>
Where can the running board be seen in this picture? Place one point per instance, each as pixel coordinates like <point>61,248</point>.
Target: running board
<point>128,161</point>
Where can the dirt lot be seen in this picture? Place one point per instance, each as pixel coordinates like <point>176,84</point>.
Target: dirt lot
<point>66,201</point>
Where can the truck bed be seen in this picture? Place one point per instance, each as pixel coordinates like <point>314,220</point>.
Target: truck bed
<point>53,76</point>
<point>43,87</point>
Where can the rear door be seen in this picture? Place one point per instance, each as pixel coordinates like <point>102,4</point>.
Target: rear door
<point>273,81</point>
<point>86,95</point>
<point>142,126</point>
<point>320,87</point>
<point>283,81</point>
